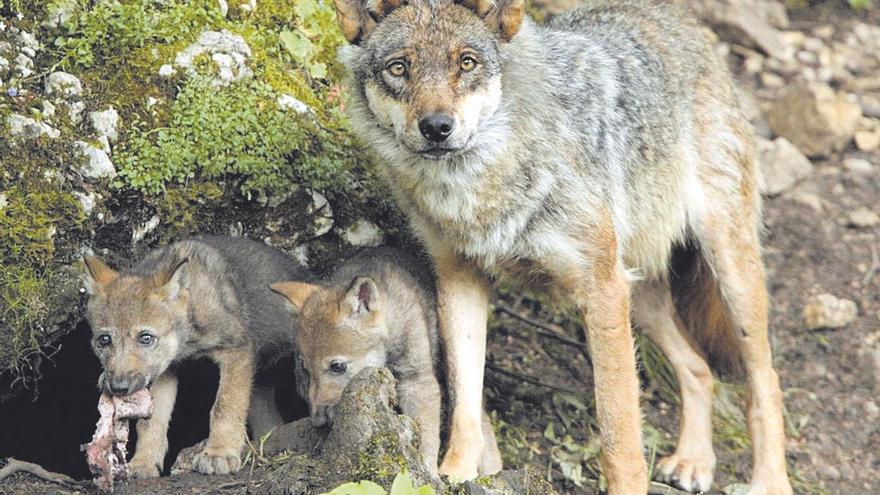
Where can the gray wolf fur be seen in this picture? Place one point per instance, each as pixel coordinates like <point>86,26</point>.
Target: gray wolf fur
<point>379,308</point>
<point>199,297</point>
<point>575,158</point>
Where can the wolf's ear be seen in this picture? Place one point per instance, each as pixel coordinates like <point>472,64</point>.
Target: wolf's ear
<point>168,281</point>
<point>295,292</point>
<point>97,275</point>
<point>358,17</point>
<point>502,16</point>
<point>361,299</point>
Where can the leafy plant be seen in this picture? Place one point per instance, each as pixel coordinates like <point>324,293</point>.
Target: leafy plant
<point>402,485</point>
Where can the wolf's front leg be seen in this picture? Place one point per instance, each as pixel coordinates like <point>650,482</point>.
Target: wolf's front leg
<point>420,399</point>
<point>463,304</point>
<point>152,443</point>
<point>222,453</point>
<point>605,310</point>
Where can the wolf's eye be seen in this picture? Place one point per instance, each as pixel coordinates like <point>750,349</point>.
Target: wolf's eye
<point>468,63</point>
<point>396,68</point>
<point>103,340</point>
<point>146,338</point>
<point>338,367</point>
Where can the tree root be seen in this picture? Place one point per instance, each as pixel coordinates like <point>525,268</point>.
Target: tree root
<point>15,466</point>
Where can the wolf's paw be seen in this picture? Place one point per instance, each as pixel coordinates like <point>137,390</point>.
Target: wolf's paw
<point>778,487</point>
<point>143,468</point>
<point>686,473</point>
<point>458,471</point>
<point>217,461</point>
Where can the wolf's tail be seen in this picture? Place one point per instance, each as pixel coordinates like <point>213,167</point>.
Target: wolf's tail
<point>698,301</point>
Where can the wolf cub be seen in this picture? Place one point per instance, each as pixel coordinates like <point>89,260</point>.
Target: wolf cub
<point>377,309</point>
<point>199,297</point>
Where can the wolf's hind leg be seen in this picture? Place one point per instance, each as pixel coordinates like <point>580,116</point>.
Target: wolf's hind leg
<point>263,414</point>
<point>152,441</point>
<point>222,453</point>
<point>692,465</point>
<point>730,245</point>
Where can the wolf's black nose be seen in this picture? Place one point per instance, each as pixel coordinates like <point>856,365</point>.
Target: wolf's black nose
<point>436,127</point>
<point>119,386</point>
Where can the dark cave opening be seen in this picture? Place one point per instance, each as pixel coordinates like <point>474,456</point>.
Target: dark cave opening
<point>49,429</point>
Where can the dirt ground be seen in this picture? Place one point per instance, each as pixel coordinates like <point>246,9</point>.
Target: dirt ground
<point>538,376</point>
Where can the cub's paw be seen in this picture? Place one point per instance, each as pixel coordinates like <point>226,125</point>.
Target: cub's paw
<point>144,468</point>
<point>217,461</point>
<point>686,473</point>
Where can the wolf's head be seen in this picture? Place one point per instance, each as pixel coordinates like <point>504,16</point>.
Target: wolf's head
<point>341,331</point>
<point>429,71</point>
<point>135,322</point>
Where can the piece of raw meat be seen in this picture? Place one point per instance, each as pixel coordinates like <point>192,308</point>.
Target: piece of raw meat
<point>106,454</point>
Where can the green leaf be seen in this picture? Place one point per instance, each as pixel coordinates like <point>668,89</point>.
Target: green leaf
<point>402,485</point>
<point>318,70</point>
<point>297,45</point>
<point>362,488</point>
<point>735,489</point>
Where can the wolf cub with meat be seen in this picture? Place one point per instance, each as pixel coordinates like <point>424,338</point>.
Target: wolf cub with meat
<point>199,297</point>
<point>377,309</point>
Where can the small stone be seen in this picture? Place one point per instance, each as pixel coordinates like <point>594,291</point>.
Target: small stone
<point>86,200</point>
<point>829,472</point>
<point>858,166</point>
<point>815,118</point>
<point>863,218</point>
<point>60,13</point>
<point>74,111</point>
<point>806,57</point>
<point>105,123</point>
<point>97,164</point>
<point>28,128</point>
<point>772,81</point>
<point>145,228</point>
<point>63,85</point>
<point>824,32</point>
<point>48,109</point>
<point>287,102</point>
<point>826,311</point>
<point>27,40</point>
<point>868,140</point>
<point>23,65</point>
<point>224,7</point>
<point>322,214</point>
<point>872,410</point>
<point>782,165</point>
<point>166,70</point>
<point>4,201</point>
<point>228,51</point>
<point>363,233</point>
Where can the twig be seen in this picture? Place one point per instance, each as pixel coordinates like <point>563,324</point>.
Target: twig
<point>875,266</point>
<point>15,466</point>
<point>230,485</point>
<point>527,379</point>
<point>544,329</point>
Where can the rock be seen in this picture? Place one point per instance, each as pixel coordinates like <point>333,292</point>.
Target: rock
<point>48,109</point>
<point>167,70</point>
<point>858,166</point>
<point>868,140</point>
<point>60,12</point>
<point>143,229</point>
<point>826,311</point>
<point>815,118</point>
<point>287,102</point>
<point>509,483</point>
<point>322,214</point>
<point>863,218</point>
<point>772,81</point>
<point>228,51</point>
<point>363,233</point>
<point>74,111</point>
<point>96,163</point>
<point>736,20</point>
<point>86,200</point>
<point>782,165</point>
<point>61,85</point>
<point>28,128</point>
<point>105,123</point>
<point>23,65</point>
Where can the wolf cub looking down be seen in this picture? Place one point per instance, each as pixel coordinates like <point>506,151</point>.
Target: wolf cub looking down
<point>199,297</point>
<point>377,309</point>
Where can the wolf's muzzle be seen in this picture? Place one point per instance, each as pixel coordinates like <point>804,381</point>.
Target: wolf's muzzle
<point>437,127</point>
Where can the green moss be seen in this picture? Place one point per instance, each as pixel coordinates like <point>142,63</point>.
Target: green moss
<point>380,461</point>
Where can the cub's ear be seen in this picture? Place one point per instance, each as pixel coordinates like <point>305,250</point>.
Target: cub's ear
<point>295,292</point>
<point>361,299</point>
<point>502,16</point>
<point>358,17</point>
<point>97,275</point>
<point>168,282</point>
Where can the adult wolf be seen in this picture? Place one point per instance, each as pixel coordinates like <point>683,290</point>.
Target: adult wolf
<point>578,158</point>
<point>205,296</point>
